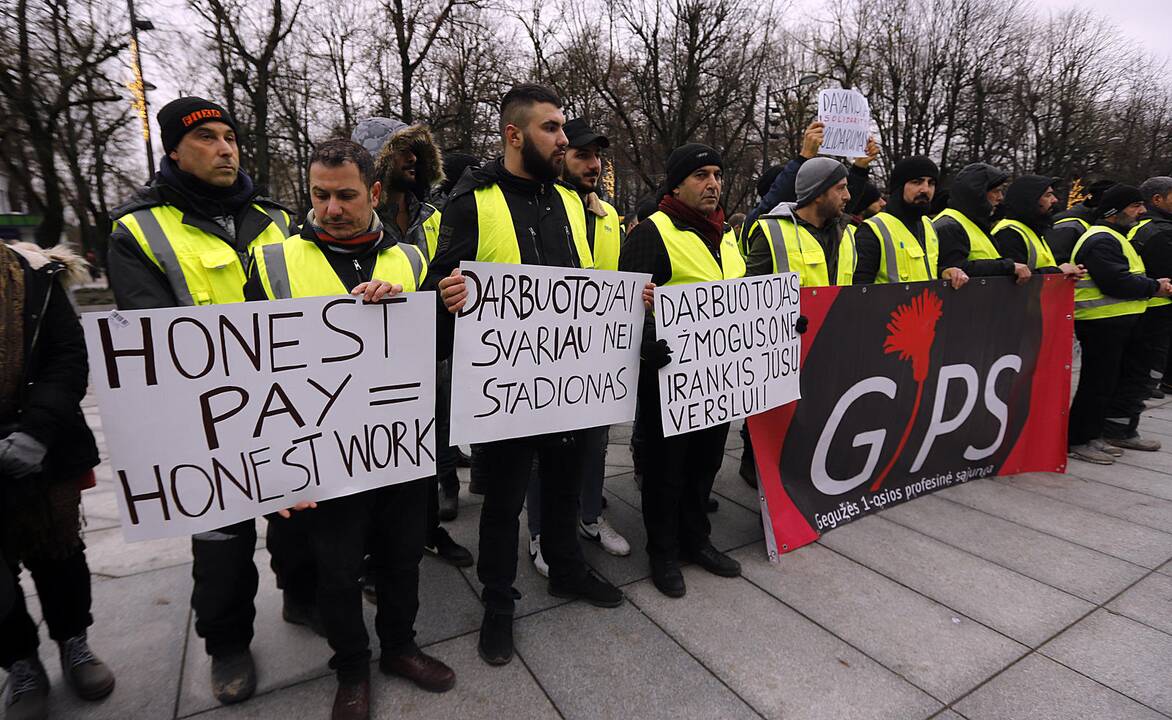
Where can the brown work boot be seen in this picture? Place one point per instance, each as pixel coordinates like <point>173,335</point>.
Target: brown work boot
<point>352,701</point>
<point>88,676</point>
<point>422,669</point>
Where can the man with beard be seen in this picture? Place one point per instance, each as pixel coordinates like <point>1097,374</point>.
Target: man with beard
<point>185,240</point>
<point>1070,224</point>
<point>1152,239</point>
<point>962,228</point>
<point>685,241</point>
<point>581,170</point>
<point>1029,202</point>
<point>408,164</point>
<point>808,237</point>
<point>513,210</point>
<point>1109,306</point>
<point>345,248</point>
<point>899,244</point>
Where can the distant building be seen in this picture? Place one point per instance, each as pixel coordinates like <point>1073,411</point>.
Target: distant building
<point>15,223</point>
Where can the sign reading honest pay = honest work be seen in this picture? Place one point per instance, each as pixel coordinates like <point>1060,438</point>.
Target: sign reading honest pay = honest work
<point>221,413</point>
<point>543,350</point>
<point>846,117</point>
<point>735,349</point>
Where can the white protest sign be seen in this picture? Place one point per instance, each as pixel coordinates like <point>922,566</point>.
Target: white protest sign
<point>544,349</point>
<point>222,413</point>
<point>735,349</point>
<point>846,115</point>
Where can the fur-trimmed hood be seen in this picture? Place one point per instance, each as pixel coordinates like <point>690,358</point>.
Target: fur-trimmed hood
<point>76,269</point>
<point>429,164</point>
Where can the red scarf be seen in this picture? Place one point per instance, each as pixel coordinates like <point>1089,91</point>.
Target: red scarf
<point>315,232</point>
<point>710,226</point>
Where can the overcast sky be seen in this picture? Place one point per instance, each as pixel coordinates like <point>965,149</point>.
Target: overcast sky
<point>1148,21</point>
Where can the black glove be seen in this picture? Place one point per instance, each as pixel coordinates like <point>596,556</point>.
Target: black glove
<point>801,324</point>
<point>656,354</point>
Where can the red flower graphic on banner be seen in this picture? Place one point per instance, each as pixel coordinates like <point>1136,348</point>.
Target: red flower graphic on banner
<point>910,333</point>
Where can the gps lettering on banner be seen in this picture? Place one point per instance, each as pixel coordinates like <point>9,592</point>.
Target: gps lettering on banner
<point>846,117</point>
<point>221,413</point>
<point>735,349</point>
<point>542,349</point>
<point>908,403</point>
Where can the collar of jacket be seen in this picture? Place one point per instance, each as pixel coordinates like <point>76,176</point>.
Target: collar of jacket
<point>594,204</point>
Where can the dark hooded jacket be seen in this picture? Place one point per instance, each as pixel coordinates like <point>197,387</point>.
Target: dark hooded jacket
<point>539,220</point>
<point>138,283</point>
<point>429,172</point>
<point>1021,204</point>
<point>1154,243</point>
<point>967,195</point>
<point>1062,236</point>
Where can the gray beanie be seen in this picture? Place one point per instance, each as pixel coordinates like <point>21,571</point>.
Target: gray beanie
<point>816,176</point>
<point>373,132</point>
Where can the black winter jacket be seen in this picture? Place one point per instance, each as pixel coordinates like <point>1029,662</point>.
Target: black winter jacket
<point>1108,267</point>
<point>968,196</point>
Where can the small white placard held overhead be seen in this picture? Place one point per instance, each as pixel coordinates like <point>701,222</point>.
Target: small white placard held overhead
<point>735,349</point>
<point>222,413</point>
<point>544,349</point>
<point>846,115</point>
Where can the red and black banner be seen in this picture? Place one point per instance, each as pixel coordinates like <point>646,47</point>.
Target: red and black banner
<point>907,389</point>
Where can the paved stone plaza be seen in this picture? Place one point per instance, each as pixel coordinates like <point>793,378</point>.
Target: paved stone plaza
<point>1038,596</point>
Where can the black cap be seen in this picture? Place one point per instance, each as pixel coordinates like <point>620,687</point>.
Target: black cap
<point>765,182</point>
<point>182,115</point>
<point>580,134</point>
<point>685,159</point>
<point>1116,198</point>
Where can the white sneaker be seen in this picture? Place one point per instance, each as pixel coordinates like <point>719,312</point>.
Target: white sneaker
<point>535,556</point>
<point>602,533</point>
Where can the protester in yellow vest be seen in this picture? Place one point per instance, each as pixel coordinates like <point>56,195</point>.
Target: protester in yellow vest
<point>1019,234</point>
<point>962,229</point>
<point>1070,224</point>
<point>409,165</point>
<point>345,249</point>
<point>1152,239</point>
<point>514,210</point>
<point>581,171</point>
<point>899,244</point>
<point>1108,308</point>
<point>185,240</point>
<point>809,237</point>
<point>685,241</point>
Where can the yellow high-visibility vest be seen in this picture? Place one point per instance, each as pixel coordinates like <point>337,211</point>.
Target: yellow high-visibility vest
<point>901,257</point>
<point>498,241</point>
<point>1037,249</point>
<point>1089,301</point>
<point>297,268</point>
<point>980,246</point>
<point>691,260</point>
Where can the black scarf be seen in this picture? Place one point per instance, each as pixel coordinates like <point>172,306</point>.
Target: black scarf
<point>206,199</point>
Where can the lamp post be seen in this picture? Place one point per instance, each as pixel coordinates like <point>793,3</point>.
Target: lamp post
<point>138,87</point>
<point>807,79</point>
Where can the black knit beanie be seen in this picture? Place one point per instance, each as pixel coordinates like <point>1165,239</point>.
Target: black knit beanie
<point>911,168</point>
<point>182,115</point>
<point>1116,198</point>
<point>765,182</point>
<point>684,160</point>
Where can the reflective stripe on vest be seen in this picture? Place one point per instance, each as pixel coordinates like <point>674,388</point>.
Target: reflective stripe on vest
<point>606,239</point>
<point>298,268</point>
<point>1089,302</point>
<point>795,249</point>
<point>980,246</point>
<point>848,256</point>
<point>1154,301</point>
<point>431,228</point>
<point>1037,250</point>
<point>902,258</point>
<point>497,236</point>
<point>200,267</point>
<point>691,260</point>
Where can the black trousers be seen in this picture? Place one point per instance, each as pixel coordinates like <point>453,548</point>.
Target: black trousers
<point>390,522</point>
<point>63,588</point>
<point>678,473</point>
<point>226,579</point>
<point>507,467</point>
<point>1111,379</point>
<point>1157,336</point>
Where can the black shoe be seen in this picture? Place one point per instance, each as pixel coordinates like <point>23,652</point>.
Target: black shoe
<point>448,550</point>
<point>476,485</point>
<point>463,459</point>
<point>28,690</point>
<point>449,505</point>
<point>86,675</point>
<point>233,677</point>
<point>1156,393</point>
<point>496,638</point>
<point>592,588</point>
<point>712,505</point>
<point>715,562</point>
<point>301,613</point>
<point>604,503</point>
<point>748,470</point>
<point>1164,387</point>
<point>668,579</point>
